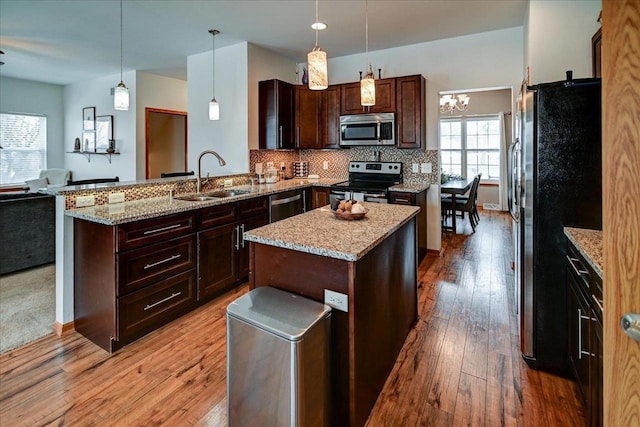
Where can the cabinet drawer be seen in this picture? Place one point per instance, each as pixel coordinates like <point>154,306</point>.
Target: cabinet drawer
<point>139,233</point>
<point>149,308</point>
<point>253,207</point>
<point>143,266</point>
<point>402,198</point>
<point>217,215</point>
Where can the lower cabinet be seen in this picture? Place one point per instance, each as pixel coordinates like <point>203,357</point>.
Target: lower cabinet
<point>132,278</point>
<point>415,199</point>
<point>319,197</point>
<point>584,292</point>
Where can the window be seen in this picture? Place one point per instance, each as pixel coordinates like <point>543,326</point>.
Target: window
<point>471,145</point>
<point>23,139</point>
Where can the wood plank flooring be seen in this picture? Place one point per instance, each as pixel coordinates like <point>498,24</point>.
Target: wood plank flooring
<point>460,365</point>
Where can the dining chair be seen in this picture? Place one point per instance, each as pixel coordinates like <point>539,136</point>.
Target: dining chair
<point>477,179</point>
<point>172,174</point>
<point>93,181</point>
<point>464,204</point>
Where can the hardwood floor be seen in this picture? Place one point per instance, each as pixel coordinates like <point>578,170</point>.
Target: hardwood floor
<point>460,364</point>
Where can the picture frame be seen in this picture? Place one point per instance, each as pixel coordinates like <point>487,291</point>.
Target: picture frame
<point>104,133</point>
<point>88,141</point>
<point>88,118</point>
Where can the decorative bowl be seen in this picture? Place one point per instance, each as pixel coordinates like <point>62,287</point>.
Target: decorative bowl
<point>348,215</point>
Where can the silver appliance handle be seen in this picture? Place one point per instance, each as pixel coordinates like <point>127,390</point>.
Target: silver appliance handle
<point>378,132</point>
<point>285,201</point>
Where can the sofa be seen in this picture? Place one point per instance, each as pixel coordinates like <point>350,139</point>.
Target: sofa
<point>28,228</point>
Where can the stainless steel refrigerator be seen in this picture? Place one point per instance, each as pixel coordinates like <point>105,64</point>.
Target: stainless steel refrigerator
<point>561,186</point>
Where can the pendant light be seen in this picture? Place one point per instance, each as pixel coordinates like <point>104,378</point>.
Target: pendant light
<point>317,60</point>
<point>121,93</point>
<point>214,107</point>
<point>367,84</point>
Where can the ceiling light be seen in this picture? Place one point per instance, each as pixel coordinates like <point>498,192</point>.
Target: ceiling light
<point>317,63</point>
<point>319,26</point>
<point>121,93</point>
<point>214,107</point>
<point>451,102</point>
<point>367,84</point>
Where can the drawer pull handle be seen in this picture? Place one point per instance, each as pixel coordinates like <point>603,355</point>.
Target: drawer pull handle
<point>578,272</point>
<point>399,199</point>
<point>598,302</point>
<point>171,258</point>
<point>162,300</point>
<point>158,230</point>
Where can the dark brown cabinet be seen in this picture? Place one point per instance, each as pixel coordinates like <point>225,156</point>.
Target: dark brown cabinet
<point>410,112</point>
<point>317,117</point>
<point>584,293</point>
<point>275,114</point>
<point>415,199</point>
<point>385,98</point>
<point>223,259</point>
<point>319,197</point>
<point>132,278</point>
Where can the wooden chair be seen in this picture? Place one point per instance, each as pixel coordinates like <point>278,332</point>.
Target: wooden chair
<point>172,174</point>
<point>463,204</point>
<point>93,181</point>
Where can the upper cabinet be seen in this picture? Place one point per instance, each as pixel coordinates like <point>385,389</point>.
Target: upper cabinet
<point>385,98</point>
<point>410,112</point>
<point>275,114</point>
<point>317,117</point>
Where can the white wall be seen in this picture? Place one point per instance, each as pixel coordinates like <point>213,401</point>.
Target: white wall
<point>558,38</point>
<point>25,96</point>
<point>155,92</point>
<point>229,135</point>
<point>264,65</point>
<point>97,93</point>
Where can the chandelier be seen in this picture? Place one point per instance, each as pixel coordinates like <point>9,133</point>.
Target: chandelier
<point>451,102</point>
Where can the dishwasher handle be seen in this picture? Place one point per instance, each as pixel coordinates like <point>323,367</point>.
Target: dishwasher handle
<point>276,202</point>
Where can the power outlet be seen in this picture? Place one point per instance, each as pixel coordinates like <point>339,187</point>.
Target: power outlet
<point>336,300</point>
<point>258,168</point>
<point>426,168</point>
<point>414,168</point>
<point>228,182</point>
<point>116,198</point>
<point>84,201</point>
<point>325,165</point>
<point>269,164</point>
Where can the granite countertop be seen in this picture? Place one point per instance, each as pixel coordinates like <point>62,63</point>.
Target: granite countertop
<point>319,232</point>
<point>410,188</point>
<point>589,244</point>
<point>120,213</point>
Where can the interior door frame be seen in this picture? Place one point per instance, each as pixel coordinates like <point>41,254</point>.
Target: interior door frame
<point>147,113</point>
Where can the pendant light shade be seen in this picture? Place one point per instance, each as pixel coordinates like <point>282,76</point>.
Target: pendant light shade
<point>367,84</point>
<point>214,107</point>
<point>317,61</point>
<point>121,93</point>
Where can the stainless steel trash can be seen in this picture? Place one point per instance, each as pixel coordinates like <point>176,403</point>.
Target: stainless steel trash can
<point>277,360</point>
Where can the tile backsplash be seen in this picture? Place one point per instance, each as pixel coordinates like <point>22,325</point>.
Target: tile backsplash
<point>338,161</point>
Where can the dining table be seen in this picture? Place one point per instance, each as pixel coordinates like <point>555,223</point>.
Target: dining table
<point>455,187</point>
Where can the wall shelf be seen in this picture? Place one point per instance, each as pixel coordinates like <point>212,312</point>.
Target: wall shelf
<point>88,154</point>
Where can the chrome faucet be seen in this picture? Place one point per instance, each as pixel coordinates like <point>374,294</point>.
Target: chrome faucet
<point>220,161</point>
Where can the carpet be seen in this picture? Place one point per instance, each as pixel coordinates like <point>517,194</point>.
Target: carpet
<point>27,306</point>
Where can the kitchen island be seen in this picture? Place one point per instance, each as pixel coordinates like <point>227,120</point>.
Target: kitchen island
<point>372,262</point>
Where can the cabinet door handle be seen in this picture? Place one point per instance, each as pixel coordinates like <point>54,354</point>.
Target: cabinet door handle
<point>580,319</point>
<point>171,258</point>
<point>598,302</point>
<point>158,230</point>
<point>242,235</point>
<point>237,238</point>
<point>280,136</point>
<point>578,272</point>
<point>298,136</point>
<point>172,296</point>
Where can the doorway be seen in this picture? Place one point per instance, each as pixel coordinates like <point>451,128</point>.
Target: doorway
<point>165,142</point>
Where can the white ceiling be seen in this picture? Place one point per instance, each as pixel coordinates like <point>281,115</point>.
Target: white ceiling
<point>65,41</point>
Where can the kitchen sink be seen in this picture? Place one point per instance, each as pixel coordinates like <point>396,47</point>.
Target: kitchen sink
<point>212,196</point>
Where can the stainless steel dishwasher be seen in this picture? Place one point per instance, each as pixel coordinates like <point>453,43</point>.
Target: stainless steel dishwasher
<point>286,204</point>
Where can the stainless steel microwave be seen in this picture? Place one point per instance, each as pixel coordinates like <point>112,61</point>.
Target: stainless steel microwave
<point>367,129</point>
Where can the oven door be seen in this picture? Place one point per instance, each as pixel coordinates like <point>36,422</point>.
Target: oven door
<point>362,196</point>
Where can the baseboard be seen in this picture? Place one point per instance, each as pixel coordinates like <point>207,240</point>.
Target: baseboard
<point>63,329</point>
<point>435,252</point>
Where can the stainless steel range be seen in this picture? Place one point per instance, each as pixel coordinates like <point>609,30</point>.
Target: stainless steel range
<point>368,181</point>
